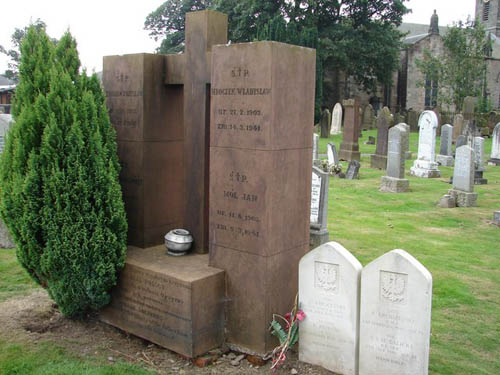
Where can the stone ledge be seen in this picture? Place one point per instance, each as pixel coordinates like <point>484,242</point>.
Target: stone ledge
<point>463,198</point>
<point>445,160</point>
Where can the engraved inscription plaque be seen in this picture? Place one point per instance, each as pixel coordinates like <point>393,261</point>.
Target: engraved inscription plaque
<point>315,197</point>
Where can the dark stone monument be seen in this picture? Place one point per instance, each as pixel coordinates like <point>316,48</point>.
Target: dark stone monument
<point>379,159</point>
<point>260,181</point>
<point>353,170</point>
<point>394,181</point>
<point>319,208</point>
<point>368,118</point>
<point>325,123</point>
<point>349,148</point>
<point>412,120</point>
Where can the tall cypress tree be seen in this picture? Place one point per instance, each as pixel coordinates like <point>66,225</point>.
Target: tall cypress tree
<point>71,225</point>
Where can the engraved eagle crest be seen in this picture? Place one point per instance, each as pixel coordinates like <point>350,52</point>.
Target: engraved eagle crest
<point>393,286</point>
<point>326,276</point>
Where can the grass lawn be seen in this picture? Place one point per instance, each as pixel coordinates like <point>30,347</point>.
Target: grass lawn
<point>459,247</point>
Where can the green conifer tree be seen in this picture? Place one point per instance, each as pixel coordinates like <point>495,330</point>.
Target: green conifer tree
<point>71,225</point>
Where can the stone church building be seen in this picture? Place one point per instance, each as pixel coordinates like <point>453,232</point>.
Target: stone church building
<point>406,93</point>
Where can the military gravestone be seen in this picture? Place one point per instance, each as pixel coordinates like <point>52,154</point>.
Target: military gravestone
<point>260,181</point>
<point>329,282</point>
<point>444,157</point>
<point>395,316</point>
<point>349,148</point>
<point>394,181</point>
<point>425,165</point>
<point>495,147</point>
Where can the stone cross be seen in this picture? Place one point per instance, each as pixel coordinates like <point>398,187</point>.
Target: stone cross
<point>444,157</point>
<point>336,127</point>
<point>425,166</point>
<point>395,316</point>
<point>495,146</point>
<point>349,148</point>
<point>329,285</point>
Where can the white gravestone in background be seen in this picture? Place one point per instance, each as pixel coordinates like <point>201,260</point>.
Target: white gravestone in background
<point>315,197</point>
<point>395,316</point>
<point>333,158</point>
<point>479,152</point>
<point>495,146</point>
<point>315,147</point>
<point>463,173</point>
<point>425,165</point>
<point>329,296</point>
<point>444,157</point>
<point>336,127</point>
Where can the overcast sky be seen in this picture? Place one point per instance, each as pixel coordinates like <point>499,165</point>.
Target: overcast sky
<point>112,27</point>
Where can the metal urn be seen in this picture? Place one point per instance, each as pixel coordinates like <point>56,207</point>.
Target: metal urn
<point>178,242</point>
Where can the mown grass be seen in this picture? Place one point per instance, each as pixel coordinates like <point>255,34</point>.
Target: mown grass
<point>459,246</point>
<point>48,359</point>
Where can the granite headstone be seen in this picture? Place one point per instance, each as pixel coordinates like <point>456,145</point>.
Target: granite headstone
<point>444,157</point>
<point>394,181</point>
<point>379,159</point>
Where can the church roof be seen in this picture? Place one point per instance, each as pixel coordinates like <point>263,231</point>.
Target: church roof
<point>417,32</point>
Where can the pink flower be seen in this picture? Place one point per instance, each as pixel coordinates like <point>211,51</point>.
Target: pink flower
<point>287,316</point>
<point>300,315</point>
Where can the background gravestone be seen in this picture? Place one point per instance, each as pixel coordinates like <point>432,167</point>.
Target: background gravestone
<point>349,148</point>
<point>458,127</point>
<point>336,127</point>
<point>412,120</point>
<point>394,181</point>
<point>495,147</point>
<point>319,208</point>
<point>444,157</point>
<point>463,178</point>
<point>329,279</point>
<point>325,123</point>
<point>478,144</point>
<point>260,181</point>
<point>333,158</point>
<point>425,165</point>
<point>368,118</point>
<point>352,170</point>
<point>406,141</point>
<point>6,241</point>
<point>379,159</point>
<point>315,147</point>
<point>395,316</point>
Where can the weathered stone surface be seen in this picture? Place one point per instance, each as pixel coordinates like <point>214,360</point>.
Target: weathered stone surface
<point>395,316</point>
<point>325,123</point>
<point>329,279</point>
<point>412,118</point>
<point>319,199</point>
<point>368,118</point>
<point>458,127</point>
<point>349,148</point>
<point>495,146</point>
<point>379,159</point>
<point>425,166</point>
<point>6,241</point>
<point>463,173</point>
<point>394,185</point>
<point>5,123</point>
<point>469,107</point>
<point>315,147</point>
<point>446,135</point>
<point>333,157</point>
<point>336,127</point>
<point>318,237</point>
<point>447,201</point>
<point>496,218</point>
<point>353,170</point>
<point>396,160</point>
<point>463,198</point>
<point>406,140</point>
<point>478,144</point>
<point>150,144</point>
<point>175,302</point>
<point>260,181</point>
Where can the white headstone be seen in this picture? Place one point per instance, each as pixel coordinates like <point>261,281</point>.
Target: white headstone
<point>395,316</point>
<point>495,145</point>
<point>425,165</point>
<point>315,146</point>
<point>336,127</point>
<point>395,153</point>
<point>315,197</point>
<point>333,158</point>
<point>463,173</point>
<point>329,295</point>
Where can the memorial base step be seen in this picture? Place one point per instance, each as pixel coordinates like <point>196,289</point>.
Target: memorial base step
<point>174,302</point>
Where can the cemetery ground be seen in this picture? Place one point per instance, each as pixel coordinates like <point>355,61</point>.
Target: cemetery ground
<point>459,246</point>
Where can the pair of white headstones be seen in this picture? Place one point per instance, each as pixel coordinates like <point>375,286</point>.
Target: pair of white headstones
<point>368,321</point>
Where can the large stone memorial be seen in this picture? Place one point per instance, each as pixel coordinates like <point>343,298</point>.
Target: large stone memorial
<point>463,178</point>
<point>336,127</point>
<point>329,278</point>
<point>495,147</point>
<point>444,157</point>
<point>394,181</point>
<point>319,208</point>
<point>349,148</point>
<point>395,316</point>
<point>425,165</point>
<point>260,181</point>
<point>379,159</point>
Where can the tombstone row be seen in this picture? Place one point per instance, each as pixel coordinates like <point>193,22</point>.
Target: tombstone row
<point>367,321</point>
